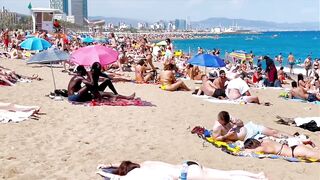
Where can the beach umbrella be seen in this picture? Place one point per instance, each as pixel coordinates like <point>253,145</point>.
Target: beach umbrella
<point>242,55</point>
<point>87,40</point>
<point>207,60</point>
<point>86,56</point>
<point>49,56</point>
<point>161,43</point>
<point>35,44</point>
<point>100,39</point>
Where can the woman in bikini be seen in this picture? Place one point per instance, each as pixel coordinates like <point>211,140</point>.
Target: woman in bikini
<point>168,80</point>
<point>159,170</point>
<point>271,147</point>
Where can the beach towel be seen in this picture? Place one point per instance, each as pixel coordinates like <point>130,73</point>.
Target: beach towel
<point>236,149</point>
<point>16,113</point>
<point>310,123</point>
<point>118,102</point>
<point>220,101</point>
<point>303,101</point>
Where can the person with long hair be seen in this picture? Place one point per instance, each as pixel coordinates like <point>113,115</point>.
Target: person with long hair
<point>272,147</point>
<point>156,170</point>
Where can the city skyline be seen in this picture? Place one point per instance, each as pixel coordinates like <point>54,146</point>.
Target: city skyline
<point>289,11</point>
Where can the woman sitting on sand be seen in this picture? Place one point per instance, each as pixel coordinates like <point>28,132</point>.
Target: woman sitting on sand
<point>271,147</point>
<point>302,83</point>
<point>193,72</point>
<point>156,170</point>
<point>168,80</point>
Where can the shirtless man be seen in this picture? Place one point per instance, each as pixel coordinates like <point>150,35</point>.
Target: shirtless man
<point>239,89</point>
<point>219,83</point>
<point>168,80</point>
<point>209,89</point>
<point>225,129</point>
<point>301,93</point>
<point>271,147</point>
<point>291,62</point>
<point>76,93</point>
<point>140,71</point>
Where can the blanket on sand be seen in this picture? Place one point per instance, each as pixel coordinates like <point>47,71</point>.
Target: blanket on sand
<point>118,102</point>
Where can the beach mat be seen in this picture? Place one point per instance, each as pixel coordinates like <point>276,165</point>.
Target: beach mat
<point>235,150</point>
<point>118,102</point>
<point>108,170</point>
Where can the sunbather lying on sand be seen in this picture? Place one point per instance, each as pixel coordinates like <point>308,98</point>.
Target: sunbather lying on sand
<point>159,171</point>
<point>271,147</point>
<point>239,89</point>
<point>301,93</point>
<point>168,80</point>
<point>226,129</point>
<point>209,89</point>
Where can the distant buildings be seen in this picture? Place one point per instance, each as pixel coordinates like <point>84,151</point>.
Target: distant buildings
<point>180,24</point>
<point>76,11</point>
<point>9,17</point>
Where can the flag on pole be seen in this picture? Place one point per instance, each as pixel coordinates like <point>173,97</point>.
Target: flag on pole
<point>30,6</point>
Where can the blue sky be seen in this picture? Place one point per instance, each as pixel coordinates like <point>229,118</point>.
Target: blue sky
<point>151,10</point>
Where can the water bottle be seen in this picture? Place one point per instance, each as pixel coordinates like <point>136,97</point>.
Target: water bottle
<point>184,171</point>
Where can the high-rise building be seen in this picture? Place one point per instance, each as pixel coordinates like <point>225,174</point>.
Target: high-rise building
<point>61,5</point>
<point>180,24</point>
<point>76,8</point>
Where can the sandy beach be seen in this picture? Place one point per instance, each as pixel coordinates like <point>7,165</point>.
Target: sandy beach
<point>69,141</point>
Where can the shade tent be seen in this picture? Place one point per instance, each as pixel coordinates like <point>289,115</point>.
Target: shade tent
<point>49,56</point>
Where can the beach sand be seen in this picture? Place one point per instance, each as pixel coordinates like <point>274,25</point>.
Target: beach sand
<point>71,140</point>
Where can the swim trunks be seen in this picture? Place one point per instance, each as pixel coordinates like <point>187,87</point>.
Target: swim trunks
<point>253,131</point>
<point>219,92</point>
<point>312,97</point>
<point>80,98</point>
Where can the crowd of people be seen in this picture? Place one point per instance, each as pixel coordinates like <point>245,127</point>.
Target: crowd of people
<point>138,54</point>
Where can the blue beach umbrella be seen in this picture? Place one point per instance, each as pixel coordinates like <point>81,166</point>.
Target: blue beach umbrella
<point>207,60</point>
<point>35,44</point>
<point>87,40</point>
<point>49,56</point>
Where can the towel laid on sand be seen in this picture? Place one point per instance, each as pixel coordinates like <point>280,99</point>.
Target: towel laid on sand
<point>236,150</point>
<point>16,113</point>
<point>118,102</point>
<point>219,101</point>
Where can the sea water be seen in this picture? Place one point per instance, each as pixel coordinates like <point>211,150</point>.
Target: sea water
<point>301,44</point>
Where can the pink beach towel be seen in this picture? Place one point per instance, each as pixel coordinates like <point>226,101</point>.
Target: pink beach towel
<point>118,102</point>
